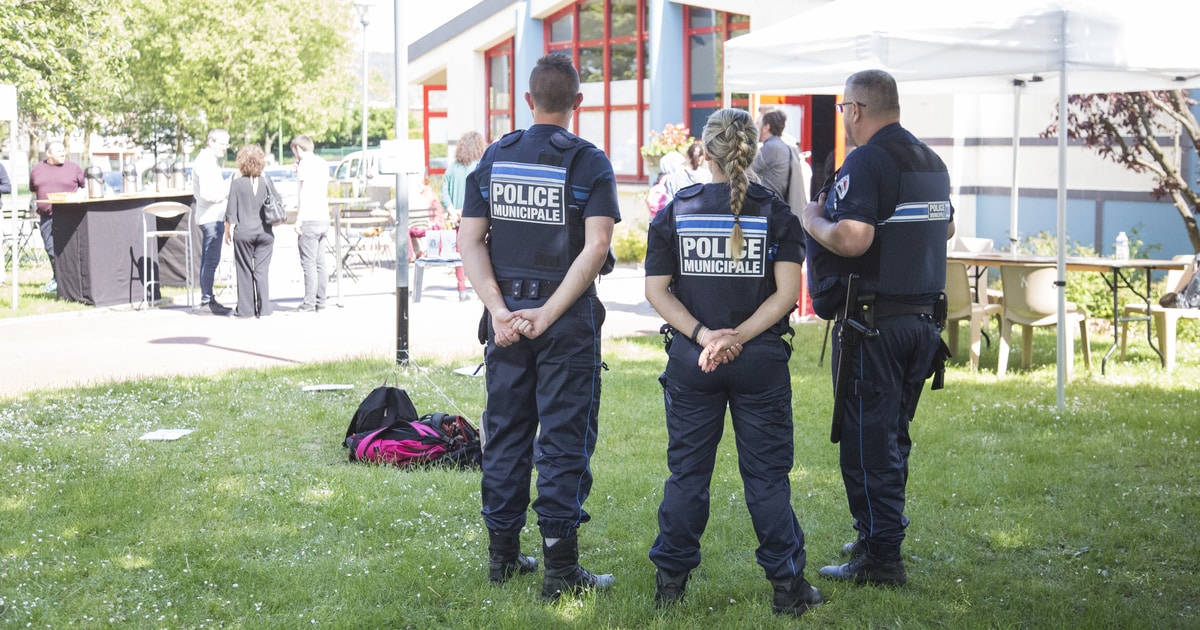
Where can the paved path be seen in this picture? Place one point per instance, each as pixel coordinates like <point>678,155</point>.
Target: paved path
<point>113,344</point>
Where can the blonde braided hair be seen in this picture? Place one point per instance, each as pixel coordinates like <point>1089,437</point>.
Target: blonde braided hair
<point>731,140</point>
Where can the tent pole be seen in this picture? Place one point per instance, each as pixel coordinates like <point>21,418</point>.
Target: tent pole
<point>1018,84</point>
<point>1062,218</point>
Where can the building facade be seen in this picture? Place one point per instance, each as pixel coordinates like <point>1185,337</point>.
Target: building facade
<point>645,64</point>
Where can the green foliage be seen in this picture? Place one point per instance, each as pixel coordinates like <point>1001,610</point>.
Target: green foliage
<point>1084,516</point>
<point>629,246</point>
<point>1088,290</point>
<point>67,58</point>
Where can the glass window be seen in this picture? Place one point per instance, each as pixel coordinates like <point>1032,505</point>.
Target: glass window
<point>612,72</point>
<point>591,64</point>
<point>702,18</point>
<point>624,149</point>
<point>500,92</point>
<point>591,20</point>
<point>499,86</point>
<point>563,29</point>
<point>436,101</point>
<point>623,61</point>
<point>705,67</point>
<point>499,125</point>
<point>624,18</point>
<point>591,127</point>
<point>706,33</point>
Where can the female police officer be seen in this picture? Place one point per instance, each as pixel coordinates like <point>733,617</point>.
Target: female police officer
<point>723,267</point>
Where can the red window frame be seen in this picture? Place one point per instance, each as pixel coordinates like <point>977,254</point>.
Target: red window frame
<point>640,38</point>
<point>428,115</point>
<point>505,48</point>
<point>725,25</point>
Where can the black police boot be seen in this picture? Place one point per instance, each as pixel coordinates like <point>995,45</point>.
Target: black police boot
<point>505,558</point>
<point>855,549</point>
<point>794,595</point>
<point>669,587</point>
<point>563,573</point>
<point>880,565</point>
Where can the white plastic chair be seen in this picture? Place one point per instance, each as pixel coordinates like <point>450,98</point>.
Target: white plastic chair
<point>1165,319</point>
<point>152,213</point>
<point>960,306</point>
<point>1031,299</point>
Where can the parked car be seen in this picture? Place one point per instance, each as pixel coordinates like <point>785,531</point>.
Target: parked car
<point>284,177</point>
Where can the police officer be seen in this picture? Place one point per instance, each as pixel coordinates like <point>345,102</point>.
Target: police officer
<point>723,266</point>
<point>876,256</point>
<point>537,224</point>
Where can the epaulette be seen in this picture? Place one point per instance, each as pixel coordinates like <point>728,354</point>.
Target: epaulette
<point>690,191</point>
<point>510,138</point>
<point>563,141</point>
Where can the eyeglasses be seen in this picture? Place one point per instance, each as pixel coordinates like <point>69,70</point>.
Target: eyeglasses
<point>841,107</point>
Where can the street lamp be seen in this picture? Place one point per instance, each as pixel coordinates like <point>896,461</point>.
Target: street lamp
<point>363,7</point>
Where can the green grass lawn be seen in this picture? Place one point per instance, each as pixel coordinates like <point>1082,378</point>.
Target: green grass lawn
<point>1023,516</point>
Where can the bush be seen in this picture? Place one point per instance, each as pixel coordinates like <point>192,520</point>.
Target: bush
<point>1091,290</point>
<point>629,246</point>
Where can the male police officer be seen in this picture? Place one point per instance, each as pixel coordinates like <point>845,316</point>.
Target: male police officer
<point>877,264</point>
<point>536,228</point>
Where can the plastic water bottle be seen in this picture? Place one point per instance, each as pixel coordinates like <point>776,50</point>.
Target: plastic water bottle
<point>1121,247</point>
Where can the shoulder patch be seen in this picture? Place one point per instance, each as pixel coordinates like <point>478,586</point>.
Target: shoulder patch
<point>758,191</point>
<point>690,191</point>
<point>842,186</point>
<point>563,140</point>
<point>510,138</point>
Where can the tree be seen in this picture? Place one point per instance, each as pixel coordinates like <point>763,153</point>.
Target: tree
<point>1126,128</point>
<point>251,69</point>
<point>67,58</point>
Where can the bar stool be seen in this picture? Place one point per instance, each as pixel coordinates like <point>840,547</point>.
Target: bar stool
<point>154,212</point>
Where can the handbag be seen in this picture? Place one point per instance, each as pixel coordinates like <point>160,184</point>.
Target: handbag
<point>273,212</point>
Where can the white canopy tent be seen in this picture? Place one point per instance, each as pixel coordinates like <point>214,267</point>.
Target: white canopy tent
<point>949,46</point>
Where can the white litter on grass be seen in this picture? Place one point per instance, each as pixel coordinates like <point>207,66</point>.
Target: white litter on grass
<point>164,435</point>
<point>468,370</point>
<point>325,387</point>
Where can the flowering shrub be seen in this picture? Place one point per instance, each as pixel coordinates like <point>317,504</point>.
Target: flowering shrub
<point>673,138</point>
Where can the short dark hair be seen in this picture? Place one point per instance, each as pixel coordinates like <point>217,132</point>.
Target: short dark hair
<point>554,83</point>
<point>876,89</point>
<point>775,120</point>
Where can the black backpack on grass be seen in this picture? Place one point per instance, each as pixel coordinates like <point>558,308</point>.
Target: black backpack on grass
<point>382,407</point>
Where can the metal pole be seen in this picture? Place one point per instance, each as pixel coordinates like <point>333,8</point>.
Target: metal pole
<point>1013,240</point>
<point>1062,219</point>
<point>401,123</point>
<point>363,164</point>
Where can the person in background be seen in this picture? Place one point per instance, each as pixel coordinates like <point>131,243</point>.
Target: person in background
<point>536,229</point>
<point>312,221</point>
<point>211,191</point>
<point>55,174</point>
<point>877,266</point>
<point>693,171</point>
<point>252,237</point>
<point>774,156</point>
<point>656,197</point>
<point>723,266</point>
<point>467,152</point>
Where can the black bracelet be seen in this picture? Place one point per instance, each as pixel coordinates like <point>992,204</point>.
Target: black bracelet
<point>696,331</point>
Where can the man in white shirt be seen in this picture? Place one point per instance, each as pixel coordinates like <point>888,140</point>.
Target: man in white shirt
<point>312,221</point>
<point>212,192</point>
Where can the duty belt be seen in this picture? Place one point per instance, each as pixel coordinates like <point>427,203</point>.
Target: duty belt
<point>528,289</point>
<point>885,308</point>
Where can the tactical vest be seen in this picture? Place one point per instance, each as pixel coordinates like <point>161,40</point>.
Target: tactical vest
<point>908,255</point>
<point>720,291</point>
<point>537,227</point>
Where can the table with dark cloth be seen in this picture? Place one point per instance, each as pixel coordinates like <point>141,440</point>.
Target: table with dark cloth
<point>99,247</point>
